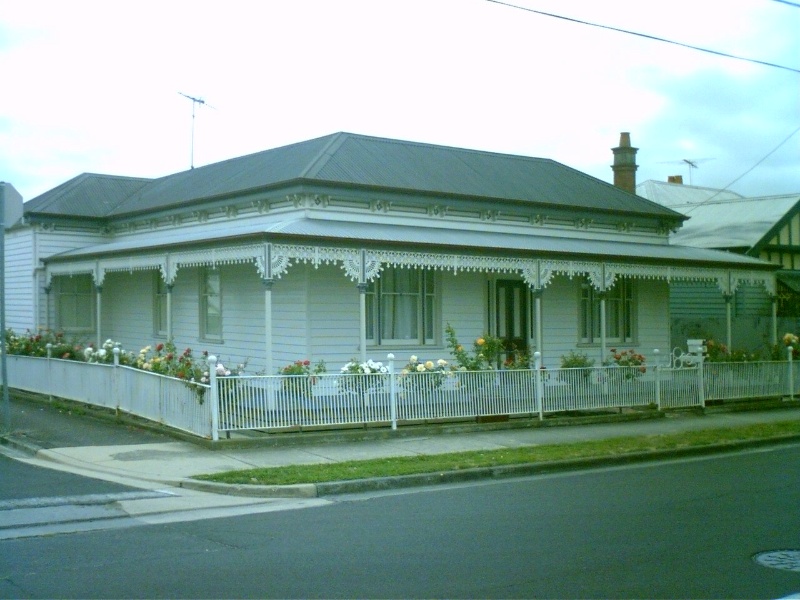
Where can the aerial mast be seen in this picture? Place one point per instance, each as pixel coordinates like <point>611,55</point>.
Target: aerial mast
<point>195,103</point>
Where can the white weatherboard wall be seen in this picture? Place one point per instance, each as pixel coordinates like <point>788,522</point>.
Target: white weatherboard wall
<point>315,316</point>
<point>290,326</point>
<point>127,309</point>
<point>242,318</point>
<point>27,306</point>
<point>20,280</point>
<point>59,240</point>
<point>652,301</point>
<point>129,313</point>
<point>464,302</point>
<point>333,324</point>
<point>560,311</point>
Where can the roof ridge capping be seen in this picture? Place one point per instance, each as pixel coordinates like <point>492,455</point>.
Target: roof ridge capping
<point>359,136</point>
<point>327,152</point>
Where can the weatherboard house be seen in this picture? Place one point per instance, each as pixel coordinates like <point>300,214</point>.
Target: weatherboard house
<point>349,246</point>
<point>764,227</point>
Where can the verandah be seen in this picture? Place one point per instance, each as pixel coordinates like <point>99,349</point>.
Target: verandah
<point>363,266</point>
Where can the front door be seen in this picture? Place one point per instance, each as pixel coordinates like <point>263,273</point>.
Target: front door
<point>511,316</point>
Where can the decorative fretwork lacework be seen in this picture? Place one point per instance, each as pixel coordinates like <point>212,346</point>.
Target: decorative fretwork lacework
<point>274,260</point>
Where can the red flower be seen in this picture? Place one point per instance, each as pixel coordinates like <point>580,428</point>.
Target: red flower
<point>159,347</point>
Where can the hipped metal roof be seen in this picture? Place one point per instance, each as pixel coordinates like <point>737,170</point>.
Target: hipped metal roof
<point>352,161</point>
<point>88,195</point>
<point>723,220</point>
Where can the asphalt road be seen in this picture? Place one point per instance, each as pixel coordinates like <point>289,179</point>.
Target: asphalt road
<point>685,529</point>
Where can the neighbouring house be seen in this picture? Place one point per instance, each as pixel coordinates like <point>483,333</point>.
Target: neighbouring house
<point>767,228</point>
<point>349,246</point>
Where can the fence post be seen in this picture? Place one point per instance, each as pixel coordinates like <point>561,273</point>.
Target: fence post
<point>790,352</point>
<point>538,391</point>
<point>115,379</point>
<point>702,385</point>
<point>657,370</point>
<point>49,372</point>
<point>392,392</point>
<point>213,397</point>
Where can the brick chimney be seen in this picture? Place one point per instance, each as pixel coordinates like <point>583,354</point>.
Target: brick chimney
<point>624,166</point>
<point>675,179</point>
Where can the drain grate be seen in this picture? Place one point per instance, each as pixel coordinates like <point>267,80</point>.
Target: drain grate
<point>788,560</point>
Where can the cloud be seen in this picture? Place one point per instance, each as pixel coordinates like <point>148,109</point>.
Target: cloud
<point>94,85</point>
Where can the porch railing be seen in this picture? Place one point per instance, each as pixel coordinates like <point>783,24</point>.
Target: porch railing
<point>279,402</point>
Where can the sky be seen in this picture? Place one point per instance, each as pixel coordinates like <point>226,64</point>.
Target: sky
<point>96,86</point>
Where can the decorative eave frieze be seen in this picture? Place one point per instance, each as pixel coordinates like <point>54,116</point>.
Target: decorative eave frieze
<point>461,212</point>
<point>272,261</point>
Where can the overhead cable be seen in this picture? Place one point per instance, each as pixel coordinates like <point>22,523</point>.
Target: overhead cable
<point>770,153</point>
<point>647,36</point>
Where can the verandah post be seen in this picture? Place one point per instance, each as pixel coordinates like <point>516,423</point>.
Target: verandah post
<point>213,397</point>
<point>790,357</point>
<point>98,316</point>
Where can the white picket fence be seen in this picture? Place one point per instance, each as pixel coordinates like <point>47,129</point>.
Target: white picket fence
<point>275,403</point>
<point>147,395</point>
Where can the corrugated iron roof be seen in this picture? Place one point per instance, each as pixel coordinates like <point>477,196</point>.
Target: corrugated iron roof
<point>678,194</point>
<point>346,159</point>
<point>87,195</point>
<point>442,237</point>
<point>724,221</point>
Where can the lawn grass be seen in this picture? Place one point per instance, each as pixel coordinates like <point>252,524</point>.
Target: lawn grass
<point>433,463</point>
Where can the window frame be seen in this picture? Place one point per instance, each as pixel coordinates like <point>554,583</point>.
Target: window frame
<point>621,313</point>
<point>427,307</point>
<point>79,298</point>
<point>160,306</point>
<point>205,306</point>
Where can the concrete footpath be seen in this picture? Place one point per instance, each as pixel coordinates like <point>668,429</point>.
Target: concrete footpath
<point>73,438</point>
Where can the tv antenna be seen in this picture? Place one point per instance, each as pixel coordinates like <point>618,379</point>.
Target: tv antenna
<point>692,163</point>
<point>195,103</point>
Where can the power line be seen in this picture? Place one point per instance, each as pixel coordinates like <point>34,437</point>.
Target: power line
<point>770,153</point>
<point>787,2</point>
<point>646,36</point>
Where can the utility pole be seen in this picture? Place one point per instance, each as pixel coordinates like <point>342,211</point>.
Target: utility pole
<point>3,361</point>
